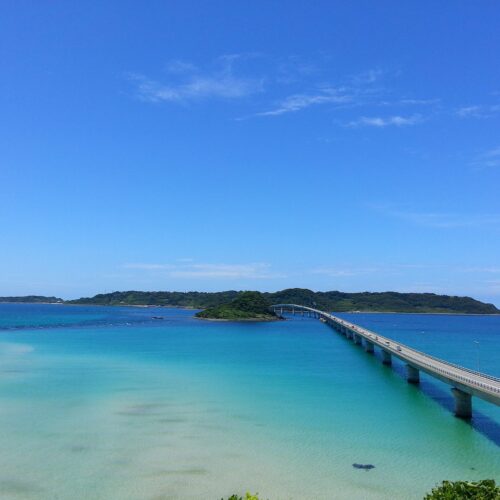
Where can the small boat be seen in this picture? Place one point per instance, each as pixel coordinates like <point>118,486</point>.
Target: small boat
<point>157,317</point>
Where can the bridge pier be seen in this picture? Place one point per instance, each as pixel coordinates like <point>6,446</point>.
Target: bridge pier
<point>465,383</point>
<point>386,357</point>
<point>412,375</point>
<point>463,403</point>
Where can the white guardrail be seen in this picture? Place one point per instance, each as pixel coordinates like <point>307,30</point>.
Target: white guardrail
<point>409,354</point>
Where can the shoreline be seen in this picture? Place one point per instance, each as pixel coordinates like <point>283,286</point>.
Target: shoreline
<point>191,308</point>
<point>241,320</point>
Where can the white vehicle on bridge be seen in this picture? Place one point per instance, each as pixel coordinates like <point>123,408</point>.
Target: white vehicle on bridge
<point>464,382</point>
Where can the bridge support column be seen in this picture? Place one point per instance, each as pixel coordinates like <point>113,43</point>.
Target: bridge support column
<point>386,357</point>
<point>349,334</point>
<point>369,347</point>
<point>412,375</point>
<point>357,338</point>
<point>463,403</point>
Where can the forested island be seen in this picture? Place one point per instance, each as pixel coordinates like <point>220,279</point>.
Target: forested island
<point>328,301</point>
<point>33,299</point>
<point>247,306</point>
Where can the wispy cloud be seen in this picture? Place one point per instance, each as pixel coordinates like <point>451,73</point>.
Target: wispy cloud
<point>444,220</point>
<point>294,83</point>
<point>186,82</point>
<point>185,269</point>
<point>148,267</point>
<point>367,77</point>
<point>418,102</point>
<point>409,102</point>
<point>385,269</point>
<point>297,102</point>
<point>488,270</point>
<point>478,111</point>
<point>353,91</point>
<point>382,122</point>
<point>339,272</point>
<point>488,159</point>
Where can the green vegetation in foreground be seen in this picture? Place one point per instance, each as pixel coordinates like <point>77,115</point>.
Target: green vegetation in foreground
<point>448,490</point>
<point>33,299</point>
<point>246,306</point>
<point>248,496</point>
<point>464,490</point>
<point>327,301</point>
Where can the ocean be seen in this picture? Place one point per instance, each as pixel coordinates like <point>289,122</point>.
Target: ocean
<point>109,403</point>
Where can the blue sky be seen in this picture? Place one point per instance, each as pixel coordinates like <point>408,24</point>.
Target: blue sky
<point>348,145</point>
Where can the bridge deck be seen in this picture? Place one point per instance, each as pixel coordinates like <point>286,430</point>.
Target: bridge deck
<point>472,382</point>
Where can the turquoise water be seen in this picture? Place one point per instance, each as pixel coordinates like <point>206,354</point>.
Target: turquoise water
<point>106,403</point>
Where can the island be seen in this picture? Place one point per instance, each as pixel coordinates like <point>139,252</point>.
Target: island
<point>247,306</point>
<point>327,301</point>
<point>32,299</point>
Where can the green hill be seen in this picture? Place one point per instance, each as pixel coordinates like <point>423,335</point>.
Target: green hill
<point>328,301</point>
<point>32,299</point>
<point>246,306</point>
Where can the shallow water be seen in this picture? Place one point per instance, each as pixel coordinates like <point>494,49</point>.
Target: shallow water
<point>106,403</point>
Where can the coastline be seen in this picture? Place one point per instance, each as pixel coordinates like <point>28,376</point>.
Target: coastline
<point>191,308</point>
<point>241,320</point>
<point>418,312</point>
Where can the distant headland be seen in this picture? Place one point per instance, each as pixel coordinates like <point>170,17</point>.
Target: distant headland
<point>327,301</point>
<point>33,299</point>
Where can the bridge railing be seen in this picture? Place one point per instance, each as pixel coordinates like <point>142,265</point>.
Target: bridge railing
<point>430,356</point>
<point>442,371</point>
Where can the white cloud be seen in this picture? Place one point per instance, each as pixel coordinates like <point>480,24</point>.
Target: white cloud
<point>197,87</point>
<point>367,77</point>
<point>468,111</point>
<point>188,269</point>
<point>337,272</point>
<point>297,102</point>
<point>148,267</point>
<point>406,102</point>
<point>492,158</point>
<point>488,159</point>
<point>446,220</point>
<point>416,102</point>
<point>488,270</point>
<point>381,122</point>
<point>478,111</point>
<point>187,83</point>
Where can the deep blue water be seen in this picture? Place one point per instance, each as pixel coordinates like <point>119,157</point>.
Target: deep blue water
<point>106,402</point>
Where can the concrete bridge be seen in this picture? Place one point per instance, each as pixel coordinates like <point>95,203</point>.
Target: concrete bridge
<point>465,383</point>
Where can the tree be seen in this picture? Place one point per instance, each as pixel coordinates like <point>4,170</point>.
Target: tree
<point>464,490</point>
